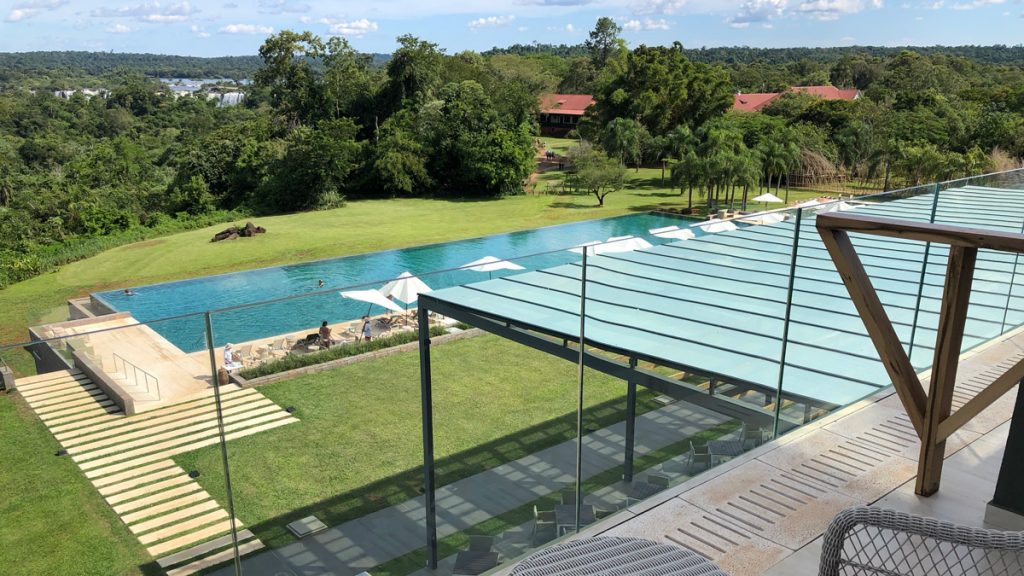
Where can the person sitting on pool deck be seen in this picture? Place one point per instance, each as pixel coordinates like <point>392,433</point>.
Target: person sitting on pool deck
<point>367,330</point>
<point>325,335</point>
<point>231,358</point>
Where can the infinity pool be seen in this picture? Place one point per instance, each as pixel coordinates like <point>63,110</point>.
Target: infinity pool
<point>295,313</point>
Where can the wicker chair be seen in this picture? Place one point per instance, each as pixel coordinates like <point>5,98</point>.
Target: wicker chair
<point>865,541</point>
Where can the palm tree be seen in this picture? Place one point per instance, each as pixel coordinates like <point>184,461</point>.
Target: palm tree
<point>623,139</point>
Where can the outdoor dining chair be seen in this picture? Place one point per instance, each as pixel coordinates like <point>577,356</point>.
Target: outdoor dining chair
<point>480,543</point>
<point>699,456</point>
<point>544,527</point>
<point>752,437</point>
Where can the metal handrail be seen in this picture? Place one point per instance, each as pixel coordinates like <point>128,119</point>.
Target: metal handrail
<point>149,381</point>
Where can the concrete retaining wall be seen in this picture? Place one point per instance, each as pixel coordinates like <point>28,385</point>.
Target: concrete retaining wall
<point>114,390</point>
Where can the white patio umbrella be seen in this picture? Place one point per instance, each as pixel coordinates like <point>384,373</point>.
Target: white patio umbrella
<point>490,264</point>
<point>405,288</point>
<point>766,198</point>
<point>767,218</point>
<point>621,244</point>
<point>835,207</point>
<point>589,246</point>
<point>672,232</point>
<point>373,297</point>
<point>715,225</point>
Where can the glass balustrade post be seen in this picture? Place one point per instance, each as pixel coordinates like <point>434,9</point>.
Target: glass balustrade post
<point>924,272</point>
<point>579,391</point>
<point>1009,291</point>
<point>785,324</point>
<point>223,441</point>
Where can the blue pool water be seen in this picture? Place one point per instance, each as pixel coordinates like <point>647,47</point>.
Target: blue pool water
<point>151,303</point>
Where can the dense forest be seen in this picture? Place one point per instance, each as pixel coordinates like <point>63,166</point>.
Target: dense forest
<point>322,123</point>
<point>69,70</point>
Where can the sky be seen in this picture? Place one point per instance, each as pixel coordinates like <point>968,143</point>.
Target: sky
<point>238,27</point>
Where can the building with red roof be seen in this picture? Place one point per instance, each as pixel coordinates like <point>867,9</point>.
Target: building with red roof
<point>757,101</point>
<point>559,113</point>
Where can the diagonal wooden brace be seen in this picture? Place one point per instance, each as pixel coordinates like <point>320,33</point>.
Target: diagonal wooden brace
<point>930,414</point>
<point>879,327</point>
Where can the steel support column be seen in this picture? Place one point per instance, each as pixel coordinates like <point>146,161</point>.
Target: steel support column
<point>1008,495</point>
<point>627,466</point>
<point>427,409</point>
<point>214,373</point>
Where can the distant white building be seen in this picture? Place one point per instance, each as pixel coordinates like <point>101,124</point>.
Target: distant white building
<point>87,92</point>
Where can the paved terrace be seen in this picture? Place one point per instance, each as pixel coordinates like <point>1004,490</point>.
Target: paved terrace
<point>764,512</point>
<point>178,377</point>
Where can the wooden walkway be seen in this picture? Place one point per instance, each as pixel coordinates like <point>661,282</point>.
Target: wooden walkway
<point>129,461</point>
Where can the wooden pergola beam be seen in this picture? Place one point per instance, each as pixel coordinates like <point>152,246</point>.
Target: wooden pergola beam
<point>876,320</point>
<point>930,413</point>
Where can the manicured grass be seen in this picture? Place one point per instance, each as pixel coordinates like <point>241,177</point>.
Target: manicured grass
<point>53,521</point>
<point>358,446</point>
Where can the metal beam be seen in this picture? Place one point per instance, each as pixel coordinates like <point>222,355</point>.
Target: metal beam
<point>650,380</point>
<point>627,465</point>
<point>556,345</point>
<point>427,410</point>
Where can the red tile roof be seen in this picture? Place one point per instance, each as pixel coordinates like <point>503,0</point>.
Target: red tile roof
<point>569,104</point>
<point>752,102</point>
<point>755,102</point>
<point>827,92</point>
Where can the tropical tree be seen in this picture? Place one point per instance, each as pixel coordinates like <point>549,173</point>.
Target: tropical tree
<point>602,41</point>
<point>414,72</point>
<point>623,138</point>
<point>288,74</point>
<point>594,172</point>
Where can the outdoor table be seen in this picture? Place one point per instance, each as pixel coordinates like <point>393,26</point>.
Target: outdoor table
<point>470,562</point>
<point>565,516</point>
<point>727,448</point>
<point>616,557</point>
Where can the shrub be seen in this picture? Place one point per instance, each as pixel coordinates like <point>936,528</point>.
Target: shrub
<point>295,361</point>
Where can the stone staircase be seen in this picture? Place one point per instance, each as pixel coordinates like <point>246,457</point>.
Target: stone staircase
<point>129,461</point>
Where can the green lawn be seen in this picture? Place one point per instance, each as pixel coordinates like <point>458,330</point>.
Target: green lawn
<point>53,522</point>
<point>358,447</point>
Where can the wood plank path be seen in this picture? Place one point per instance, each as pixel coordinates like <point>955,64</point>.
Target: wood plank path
<point>129,461</point>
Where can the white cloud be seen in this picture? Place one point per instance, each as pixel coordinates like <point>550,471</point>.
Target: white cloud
<point>200,31</point>
<point>283,6</point>
<point>149,12</point>
<point>976,4</point>
<point>119,28</point>
<point>833,9</point>
<point>355,28</point>
<point>522,29</point>
<point>642,7</point>
<point>556,2</point>
<point>491,22</point>
<point>25,10</point>
<point>757,12</point>
<point>246,29</point>
<point>647,24</point>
